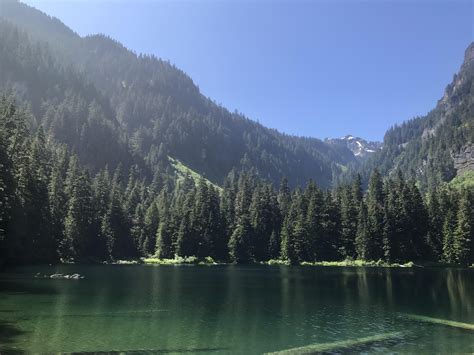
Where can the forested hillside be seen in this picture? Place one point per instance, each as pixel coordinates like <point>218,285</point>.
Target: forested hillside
<point>67,107</point>
<point>143,104</point>
<point>439,146</point>
<point>53,210</point>
<point>108,155</point>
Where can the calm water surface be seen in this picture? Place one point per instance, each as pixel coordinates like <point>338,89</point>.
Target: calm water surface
<point>232,309</point>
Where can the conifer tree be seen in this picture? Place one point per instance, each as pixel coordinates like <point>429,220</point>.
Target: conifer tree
<point>435,225</point>
<point>294,233</point>
<point>298,242</point>
<point>57,200</point>
<point>357,191</point>
<point>7,191</point>
<point>151,223</point>
<point>164,239</point>
<point>80,224</point>
<point>264,219</point>
<point>284,197</point>
<point>137,229</point>
<point>36,207</point>
<point>330,228</point>
<point>349,214</point>
<point>239,242</point>
<point>201,220</point>
<point>363,233</point>
<point>286,239</point>
<point>449,227</point>
<point>313,221</point>
<point>274,245</point>
<point>417,227</point>
<point>375,204</point>
<point>396,228</point>
<point>227,206</point>
<point>164,248</point>
<point>389,223</point>
<point>119,243</point>
<point>464,232</point>
<point>186,238</point>
<point>218,244</point>
<point>6,187</point>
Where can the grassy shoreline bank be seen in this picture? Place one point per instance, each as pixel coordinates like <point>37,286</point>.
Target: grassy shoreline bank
<point>211,262</point>
<point>342,263</point>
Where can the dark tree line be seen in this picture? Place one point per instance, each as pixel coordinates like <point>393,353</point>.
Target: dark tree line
<point>52,209</point>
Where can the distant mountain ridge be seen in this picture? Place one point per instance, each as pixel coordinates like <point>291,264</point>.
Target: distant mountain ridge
<point>154,108</point>
<point>114,107</point>
<point>360,147</point>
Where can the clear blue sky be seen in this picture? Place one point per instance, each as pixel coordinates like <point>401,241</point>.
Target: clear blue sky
<point>313,68</point>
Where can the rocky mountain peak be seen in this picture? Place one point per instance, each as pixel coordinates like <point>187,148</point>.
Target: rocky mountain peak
<point>360,147</point>
<point>469,53</point>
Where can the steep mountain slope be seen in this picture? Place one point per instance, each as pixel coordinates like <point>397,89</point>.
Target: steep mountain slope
<point>360,147</point>
<point>157,109</point>
<point>67,106</point>
<point>439,146</point>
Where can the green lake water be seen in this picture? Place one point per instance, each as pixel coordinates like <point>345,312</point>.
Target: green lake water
<point>233,309</point>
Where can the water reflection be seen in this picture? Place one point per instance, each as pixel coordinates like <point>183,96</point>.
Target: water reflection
<point>8,335</point>
<point>250,309</point>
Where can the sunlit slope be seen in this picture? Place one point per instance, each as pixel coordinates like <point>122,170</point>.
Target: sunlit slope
<point>156,107</point>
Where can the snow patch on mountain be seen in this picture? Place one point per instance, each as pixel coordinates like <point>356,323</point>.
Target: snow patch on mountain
<point>360,147</point>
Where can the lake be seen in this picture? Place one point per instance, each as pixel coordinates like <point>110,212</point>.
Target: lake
<point>234,309</point>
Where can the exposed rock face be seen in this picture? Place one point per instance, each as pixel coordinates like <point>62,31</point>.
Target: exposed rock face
<point>450,99</point>
<point>464,160</point>
<point>469,54</point>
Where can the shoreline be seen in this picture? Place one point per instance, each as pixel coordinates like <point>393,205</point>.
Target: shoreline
<point>208,261</point>
<point>343,263</point>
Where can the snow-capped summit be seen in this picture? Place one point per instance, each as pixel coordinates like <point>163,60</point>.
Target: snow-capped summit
<point>360,147</point>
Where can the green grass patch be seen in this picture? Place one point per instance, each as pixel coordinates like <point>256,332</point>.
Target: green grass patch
<point>463,181</point>
<point>193,260</point>
<point>125,262</point>
<point>339,345</point>
<point>353,263</point>
<point>358,263</point>
<point>178,260</point>
<point>343,168</point>
<point>446,322</point>
<point>182,170</point>
<point>275,262</point>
